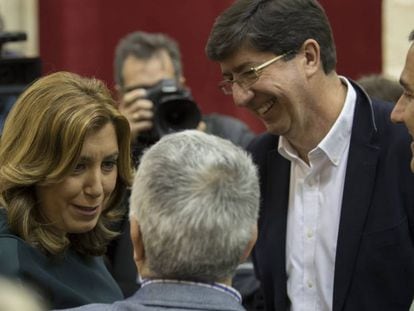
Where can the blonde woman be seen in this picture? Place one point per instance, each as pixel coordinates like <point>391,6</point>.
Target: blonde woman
<point>64,169</point>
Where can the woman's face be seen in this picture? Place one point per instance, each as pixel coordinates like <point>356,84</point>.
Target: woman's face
<point>75,204</point>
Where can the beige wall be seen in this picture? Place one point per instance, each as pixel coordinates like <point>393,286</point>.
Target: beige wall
<point>21,15</point>
<point>398,21</point>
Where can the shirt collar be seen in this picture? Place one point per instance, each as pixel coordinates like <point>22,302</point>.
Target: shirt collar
<point>336,141</point>
<point>217,286</point>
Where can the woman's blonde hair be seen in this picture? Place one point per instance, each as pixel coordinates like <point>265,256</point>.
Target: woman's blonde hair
<point>40,144</point>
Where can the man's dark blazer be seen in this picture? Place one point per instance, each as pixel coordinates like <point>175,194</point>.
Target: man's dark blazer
<point>374,268</point>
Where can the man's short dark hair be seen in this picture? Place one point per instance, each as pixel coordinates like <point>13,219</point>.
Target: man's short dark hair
<point>145,45</point>
<point>276,26</point>
<point>411,37</point>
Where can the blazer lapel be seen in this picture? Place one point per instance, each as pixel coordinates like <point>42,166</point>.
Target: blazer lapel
<point>277,193</point>
<point>359,184</point>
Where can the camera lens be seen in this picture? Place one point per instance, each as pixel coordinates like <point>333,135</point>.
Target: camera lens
<point>176,114</point>
<point>174,110</point>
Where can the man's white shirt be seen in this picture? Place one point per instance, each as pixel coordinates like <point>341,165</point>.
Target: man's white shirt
<point>315,199</point>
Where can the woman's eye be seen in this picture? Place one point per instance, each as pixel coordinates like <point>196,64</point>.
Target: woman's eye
<point>80,167</point>
<point>109,165</point>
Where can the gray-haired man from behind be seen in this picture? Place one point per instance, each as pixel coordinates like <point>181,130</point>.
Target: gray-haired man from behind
<point>193,213</point>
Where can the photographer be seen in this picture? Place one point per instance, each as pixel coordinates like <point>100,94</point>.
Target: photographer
<point>142,61</point>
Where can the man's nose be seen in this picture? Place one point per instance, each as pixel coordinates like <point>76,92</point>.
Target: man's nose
<point>397,114</point>
<point>241,96</point>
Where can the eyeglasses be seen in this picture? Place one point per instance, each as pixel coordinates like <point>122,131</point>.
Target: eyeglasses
<point>249,77</point>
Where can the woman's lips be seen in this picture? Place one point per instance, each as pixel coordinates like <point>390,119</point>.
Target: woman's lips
<point>87,210</point>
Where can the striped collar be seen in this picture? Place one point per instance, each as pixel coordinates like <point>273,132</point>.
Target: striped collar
<point>217,286</point>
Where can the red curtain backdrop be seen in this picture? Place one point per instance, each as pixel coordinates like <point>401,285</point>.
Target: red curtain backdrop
<point>81,35</point>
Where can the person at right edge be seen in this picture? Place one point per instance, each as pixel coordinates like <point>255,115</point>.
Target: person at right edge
<point>403,110</point>
<point>336,219</point>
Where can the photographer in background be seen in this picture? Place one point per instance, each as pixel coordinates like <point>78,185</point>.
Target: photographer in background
<point>142,61</point>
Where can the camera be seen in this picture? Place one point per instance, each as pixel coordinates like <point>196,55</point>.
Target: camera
<point>174,110</point>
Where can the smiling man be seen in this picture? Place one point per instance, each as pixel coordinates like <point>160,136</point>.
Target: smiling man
<point>337,201</point>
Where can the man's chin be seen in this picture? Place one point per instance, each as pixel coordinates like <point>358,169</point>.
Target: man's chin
<point>275,128</point>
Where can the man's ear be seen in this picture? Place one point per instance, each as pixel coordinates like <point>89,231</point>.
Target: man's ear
<point>136,238</point>
<point>250,245</point>
<point>312,58</point>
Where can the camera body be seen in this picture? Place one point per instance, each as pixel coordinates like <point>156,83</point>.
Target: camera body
<point>174,110</point>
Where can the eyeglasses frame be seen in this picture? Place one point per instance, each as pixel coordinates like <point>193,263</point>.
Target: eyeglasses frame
<point>257,70</point>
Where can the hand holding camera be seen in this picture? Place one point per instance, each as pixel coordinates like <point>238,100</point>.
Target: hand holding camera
<point>138,111</point>
<point>162,109</point>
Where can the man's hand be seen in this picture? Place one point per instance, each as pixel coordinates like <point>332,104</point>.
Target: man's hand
<point>138,111</point>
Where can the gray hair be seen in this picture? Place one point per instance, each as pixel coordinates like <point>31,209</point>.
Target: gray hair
<point>145,45</point>
<point>196,198</point>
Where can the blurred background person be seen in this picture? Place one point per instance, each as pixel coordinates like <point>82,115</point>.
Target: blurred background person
<point>381,87</point>
<point>194,208</point>
<point>64,168</point>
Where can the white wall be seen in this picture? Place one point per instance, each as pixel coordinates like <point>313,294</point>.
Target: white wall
<point>398,22</point>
